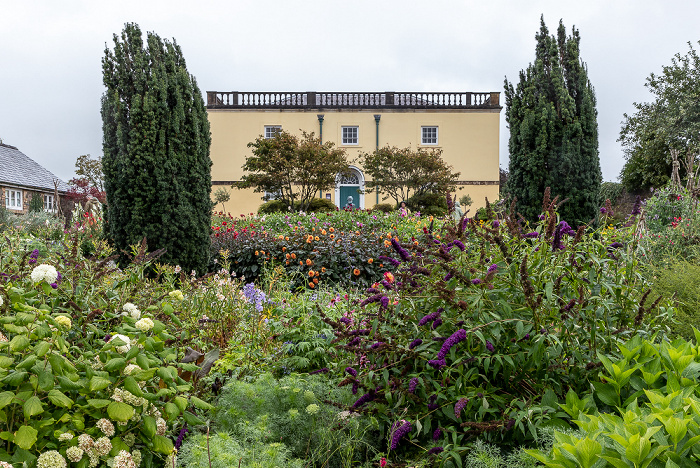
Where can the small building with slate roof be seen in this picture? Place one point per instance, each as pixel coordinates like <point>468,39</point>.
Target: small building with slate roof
<point>21,178</point>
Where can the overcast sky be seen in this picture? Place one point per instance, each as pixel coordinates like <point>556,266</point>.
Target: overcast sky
<point>51,77</point>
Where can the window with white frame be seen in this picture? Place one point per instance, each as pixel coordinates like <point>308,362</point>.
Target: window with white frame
<point>429,135</point>
<point>49,203</point>
<point>349,135</point>
<point>272,131</point>
<point>13,199</point>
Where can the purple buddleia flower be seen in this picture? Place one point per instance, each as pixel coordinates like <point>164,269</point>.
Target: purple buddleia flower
<point>541,217</point>
<point>428,318</point>
<point>355,341</point>
<point>450,203</point>
<point>603,210</point>
<point>437,434</point>
<point>319,371</point>
<point>391,260</point>
<point>532,234</point>
<point>54,285</point>
<point>510,424</point>
<point>403,253</point>
<point>59,278</point>
<point>615,245</point>
<point>459,244</point>
<point>432,406</point>
<point>476,281</point>
<point>34,254</point>
<point>355,387</point>
<point>387,285</point>
<point>399,433</point>
<point>489,346</point>
<point>412,385</point>
<point>364,399</point>
<point>435,450</point>
<point>495,223</point>
<point>459,406</point>
<point>181,436</point>
<point>437,323</point>
<point>351,371</point>
<point>448,276</point>
<point>556,240</point>
<point>568,306</point>
<point>480,395</point>
<point>566,229</point>
<point>372,290</point>
<point>492,269</point>
<point>637,207</point>
<point>437,363</point>
<point>377,345</point>
<point>344,320</point>
<point>414,343</point>
<point>372,299</point>
<point>384,302</point>
<point>459,335</point>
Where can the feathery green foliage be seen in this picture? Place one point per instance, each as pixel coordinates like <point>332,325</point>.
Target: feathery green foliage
<point>553,143</point>
<point>156,150</point>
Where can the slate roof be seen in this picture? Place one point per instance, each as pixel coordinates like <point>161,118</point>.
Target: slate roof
<point>16,168</point>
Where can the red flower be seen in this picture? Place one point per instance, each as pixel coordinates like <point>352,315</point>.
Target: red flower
<point>382,462</point>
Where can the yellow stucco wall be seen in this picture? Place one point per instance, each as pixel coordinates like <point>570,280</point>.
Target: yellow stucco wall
<point>468,140</point>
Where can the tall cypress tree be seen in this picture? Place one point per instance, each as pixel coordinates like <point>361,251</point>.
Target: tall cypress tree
<point>553,130</point>
<point>156,163</point>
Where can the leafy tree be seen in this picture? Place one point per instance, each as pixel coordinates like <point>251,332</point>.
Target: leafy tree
<point>221,195</point>
<point>90,169</point>
<point>36,203</point>
<point>397,172</point>
<point>294,168</point>
<point>553,130</point>
<point>669,123</point>
<point>156,150</point>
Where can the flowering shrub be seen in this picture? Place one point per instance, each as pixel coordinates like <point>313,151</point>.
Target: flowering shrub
<point>666,204</point>
<point>487,327</point>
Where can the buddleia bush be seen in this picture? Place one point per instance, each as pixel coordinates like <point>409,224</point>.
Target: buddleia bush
<point>481,332</point>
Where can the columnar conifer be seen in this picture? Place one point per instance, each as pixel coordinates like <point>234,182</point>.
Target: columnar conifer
<point>156,150</point>
<point>553,130</point>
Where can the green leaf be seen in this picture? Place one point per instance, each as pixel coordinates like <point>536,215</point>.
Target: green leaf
<point>132,353</point>
<point>25,437</point>
<point>32,407</point>
<point>19,343</point>
<point>6,362</point>
<point>191,419</point>
<point>46,380</point>
<point>200,403</point>
<point>181,403</point>
<point>96,403</point>
<point>120,411</point>
<point>149,426</point>
<point>99,383</point>
<point>132,387</point>
<point>142,361</point>
<point>6,399</point>
<point>58,398</point>
<point>171,410</point>
<point>27,362</point>
<point>14,378</point>
<point>115,364</point>
<point>68,384</point>
<point>162,445</point>
<point>42,348</point>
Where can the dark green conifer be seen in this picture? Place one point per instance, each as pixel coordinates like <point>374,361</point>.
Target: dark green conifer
<point>156,160</point>
<point>553,130</point>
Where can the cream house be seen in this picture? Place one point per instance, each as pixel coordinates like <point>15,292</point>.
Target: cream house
<point>464,125</point>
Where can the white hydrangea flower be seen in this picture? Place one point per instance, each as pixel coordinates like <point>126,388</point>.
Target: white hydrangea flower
<point>63,321</point>
<point>74,454</point>
<point>94,458</point>
<point>103,446</point>
<point>5,465</point>
<point>85,442</point>
<point>3,338</point>
<point>46,273</point>
<point>131,310</point>
<point>106,426</point>
<point>144,324</point>
<point>136,456</point>
<point>1,301</point>
<point>123,460</point>
<point>171,461</point>
<point>176,294</point>
<point>65,436</point>
<point>126,347</point>
<point>51,459</point>
<point>131,368</point>
<point>161,426</point>
<point>129,439</point>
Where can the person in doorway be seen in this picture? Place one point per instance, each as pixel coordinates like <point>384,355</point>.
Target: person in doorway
<point>403,209</point>
<point>349,205</point>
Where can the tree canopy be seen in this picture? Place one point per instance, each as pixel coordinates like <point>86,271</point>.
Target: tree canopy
<point>156,150</point>
<point>293,169</point>
<point>400,173</point>
<point>668,124</point>
<point>553,141</point>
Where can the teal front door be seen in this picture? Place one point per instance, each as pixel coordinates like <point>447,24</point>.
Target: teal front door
<point>349,191</point>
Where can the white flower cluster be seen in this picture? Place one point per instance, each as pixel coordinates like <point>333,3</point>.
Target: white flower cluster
<point>63,321</point>
<point>124,348</point>
<point>132,310</point>
<point>46,273</point>
<point>129,439</point>
<point>65,436</point>
<point>3,338</point>
<point>74,454</point>
<point>124,460</point>
<point>176,294</point>
<point>1,301</point>
<point>106,426</point>
<point>97,364</point>
<point>85,442</point>
<point>136,456</point>
<point>172,459</point>
<point>144,324</point>
<point>5,465</point>
<point>102,446</point>
<point>161,426</point>
<point>131,368</point>
<point>127,397</point>
<point>51,459</point>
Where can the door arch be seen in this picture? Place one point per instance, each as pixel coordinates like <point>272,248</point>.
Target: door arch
<point>350,184</point>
